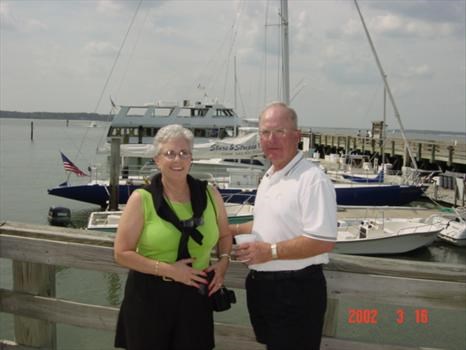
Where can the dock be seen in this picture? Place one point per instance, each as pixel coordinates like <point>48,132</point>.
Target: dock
<point>37,250</point>
<point>433,152</point>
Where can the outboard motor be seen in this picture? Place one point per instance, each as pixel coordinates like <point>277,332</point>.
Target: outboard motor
<point>59,216</point>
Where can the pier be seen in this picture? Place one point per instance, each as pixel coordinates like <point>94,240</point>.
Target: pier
<point>427,153</point>
<point>36,251</point>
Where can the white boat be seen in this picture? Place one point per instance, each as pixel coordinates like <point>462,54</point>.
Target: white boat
<point>108,220</point>
<point>454,226</point>
<point>384,236</point>
<point>104,220</point>
<point>222,141</point>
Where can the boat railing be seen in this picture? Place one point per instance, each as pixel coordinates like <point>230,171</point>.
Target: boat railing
<point>239,197</point>
<point>419,228</point>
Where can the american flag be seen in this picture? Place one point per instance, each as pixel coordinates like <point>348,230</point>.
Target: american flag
<point>69,166</point>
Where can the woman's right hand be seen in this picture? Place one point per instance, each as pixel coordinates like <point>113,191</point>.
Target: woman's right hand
<point>184,273</point>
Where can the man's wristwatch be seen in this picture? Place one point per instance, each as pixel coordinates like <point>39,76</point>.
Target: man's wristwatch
<point>273,248</point>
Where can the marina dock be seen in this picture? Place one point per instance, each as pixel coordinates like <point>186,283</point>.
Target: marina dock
<point>423,291</point>
<point>426,152</point>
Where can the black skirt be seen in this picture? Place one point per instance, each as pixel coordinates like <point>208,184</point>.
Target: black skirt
<point>163,315</point>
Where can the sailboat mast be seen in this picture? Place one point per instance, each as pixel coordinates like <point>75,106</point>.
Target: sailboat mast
<point>384,130</point>
<point>285,52</point>
<point>387,87</point>
<point>235,87</point>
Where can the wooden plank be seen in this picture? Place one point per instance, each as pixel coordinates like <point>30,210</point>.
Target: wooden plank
<point>38,279</point>
<point>396,291</point>
<point>11,345</point>
<point>342,344</point>
<point>58,310</point>
<point>77,255</point>
<point>232,343</point>
<point>397,268</point>
<point>56,233</point>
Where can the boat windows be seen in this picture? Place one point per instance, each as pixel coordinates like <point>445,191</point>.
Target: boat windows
<point>199,132</point>
<point>162,112</point>
<point>224,112</point>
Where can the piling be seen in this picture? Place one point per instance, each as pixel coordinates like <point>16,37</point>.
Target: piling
<point>114,173</point>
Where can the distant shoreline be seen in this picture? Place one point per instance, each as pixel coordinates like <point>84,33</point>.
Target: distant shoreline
<point>55,115</point>
<point>108,118</point>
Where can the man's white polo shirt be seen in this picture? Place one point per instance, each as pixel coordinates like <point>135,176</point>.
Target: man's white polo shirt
<point>298,200</point>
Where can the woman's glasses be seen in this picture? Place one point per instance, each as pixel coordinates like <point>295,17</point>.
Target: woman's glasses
<point>171,155</point>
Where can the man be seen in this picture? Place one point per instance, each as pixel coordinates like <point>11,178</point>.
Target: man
<point>295,224</point>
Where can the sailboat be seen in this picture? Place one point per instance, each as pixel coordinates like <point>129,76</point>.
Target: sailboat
<point>362,194</point>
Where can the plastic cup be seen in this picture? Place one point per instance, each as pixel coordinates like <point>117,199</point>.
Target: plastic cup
<point>245,238</point>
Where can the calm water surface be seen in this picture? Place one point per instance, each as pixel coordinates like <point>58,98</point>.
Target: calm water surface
<point>28,168</point>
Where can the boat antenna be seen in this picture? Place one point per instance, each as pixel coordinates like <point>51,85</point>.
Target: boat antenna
<point>387,87</point>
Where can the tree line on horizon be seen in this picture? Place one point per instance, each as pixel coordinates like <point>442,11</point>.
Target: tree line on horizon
<point>55,115</point>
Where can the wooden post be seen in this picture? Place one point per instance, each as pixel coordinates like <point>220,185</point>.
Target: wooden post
<point>347,144</point>
<point>450,155</point>
<point>331,318</point>
<point>419,152</point>
<point>114,173</point>
<point>32,131</point>
<point>37,279</point>
<point>405,155</point>
<point>393,148</point>
<point>312,140</point>
<point>432,155</point>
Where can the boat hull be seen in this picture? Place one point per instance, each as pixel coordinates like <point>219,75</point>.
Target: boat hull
<point>386,245</point>
<point>363,195</point>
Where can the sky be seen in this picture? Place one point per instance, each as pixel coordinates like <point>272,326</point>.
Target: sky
<point>73,56</point>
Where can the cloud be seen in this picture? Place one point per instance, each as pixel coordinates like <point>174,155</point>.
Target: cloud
<point>422,71</point>
<point>109,6</point>
<point>100,48</point>
<point>424,10</point>
<point>397,26</point>
<point>8,21</point>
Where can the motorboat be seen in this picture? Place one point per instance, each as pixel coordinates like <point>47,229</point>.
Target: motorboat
<point>384,236</point>
<point>454,225</point>
<point>223,144</point>
<point>108,220</point>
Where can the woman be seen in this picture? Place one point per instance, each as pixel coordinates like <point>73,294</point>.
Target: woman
<point>165,237</point>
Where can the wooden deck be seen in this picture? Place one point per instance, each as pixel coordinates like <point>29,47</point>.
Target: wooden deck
<point>36,250</point>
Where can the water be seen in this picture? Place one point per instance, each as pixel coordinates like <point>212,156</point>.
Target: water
<point>28,168</point>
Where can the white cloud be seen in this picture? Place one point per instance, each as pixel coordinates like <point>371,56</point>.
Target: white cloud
<point>12,22</point>
<point>109,7</point>
<point>422,71</point>
<point>100,48</point>
<point>397,26</point>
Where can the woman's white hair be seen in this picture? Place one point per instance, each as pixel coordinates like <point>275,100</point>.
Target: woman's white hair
<point>170,132</point>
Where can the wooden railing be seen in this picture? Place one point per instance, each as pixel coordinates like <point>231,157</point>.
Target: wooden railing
<point>36,251</point>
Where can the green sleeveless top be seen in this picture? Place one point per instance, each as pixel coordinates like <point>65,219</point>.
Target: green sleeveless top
<point>160,239</point>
